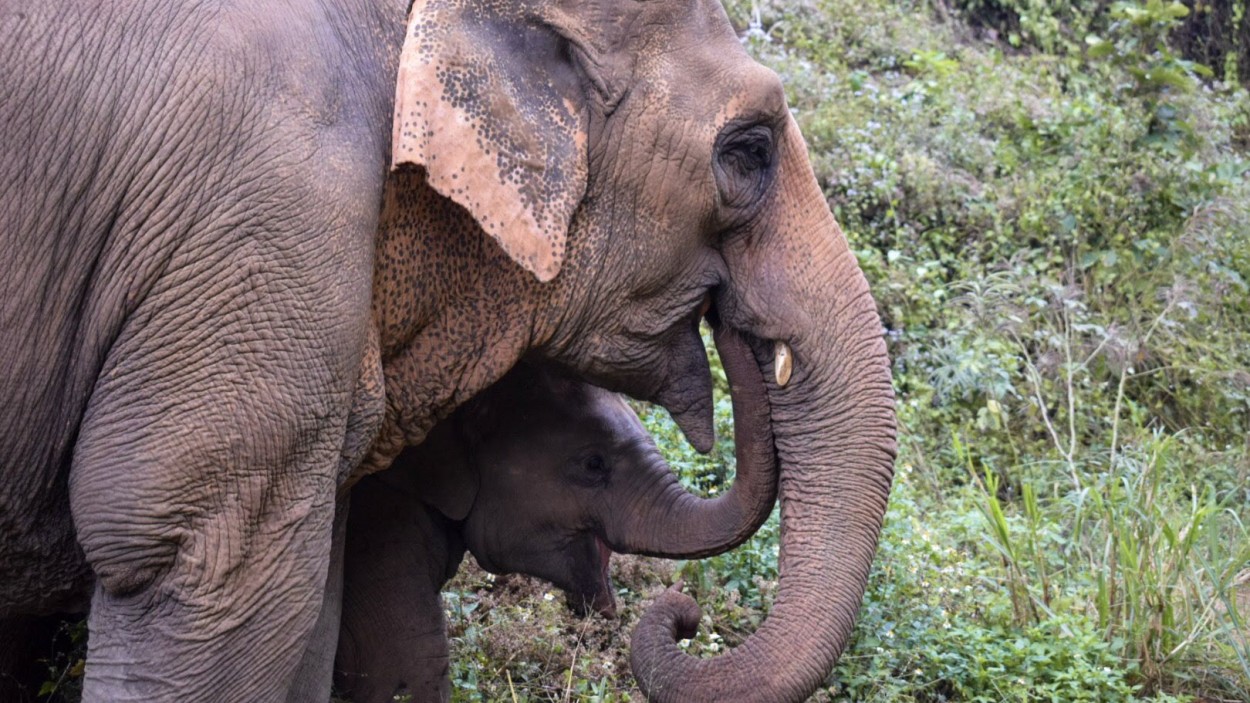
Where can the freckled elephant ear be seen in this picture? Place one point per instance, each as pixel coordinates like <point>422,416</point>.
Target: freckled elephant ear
<point>490,103</point>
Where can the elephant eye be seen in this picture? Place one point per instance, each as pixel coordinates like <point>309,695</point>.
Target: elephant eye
<point>590,470</point>
<point>595,464</point>
<point>749,151</point>
<point>744,157</point>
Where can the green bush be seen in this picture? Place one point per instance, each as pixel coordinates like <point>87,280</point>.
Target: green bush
<point>1049,25</point>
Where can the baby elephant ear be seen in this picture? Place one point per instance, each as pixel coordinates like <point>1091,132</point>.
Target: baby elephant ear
<point>490,104</point>
<point>448,481</point>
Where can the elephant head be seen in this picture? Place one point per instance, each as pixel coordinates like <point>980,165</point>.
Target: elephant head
<point>549,475</point>
<point>582,182</point>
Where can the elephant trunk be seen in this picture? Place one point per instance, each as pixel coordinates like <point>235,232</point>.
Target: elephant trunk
<point>832,421</point>
<point>676,524</point>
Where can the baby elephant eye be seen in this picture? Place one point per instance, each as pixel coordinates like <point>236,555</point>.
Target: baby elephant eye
<point>595,464</point>
<point>590,470</point>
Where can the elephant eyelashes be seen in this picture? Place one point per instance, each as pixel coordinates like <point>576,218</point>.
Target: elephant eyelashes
<point>744,160</point>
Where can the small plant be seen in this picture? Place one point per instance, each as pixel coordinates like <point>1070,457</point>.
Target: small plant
<point>1139,46</point>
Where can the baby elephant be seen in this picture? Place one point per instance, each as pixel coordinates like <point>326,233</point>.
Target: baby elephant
<point>540,474</point>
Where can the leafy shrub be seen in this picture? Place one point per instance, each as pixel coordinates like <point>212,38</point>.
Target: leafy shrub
<point>1217,34</point>
<point>1049,25</point>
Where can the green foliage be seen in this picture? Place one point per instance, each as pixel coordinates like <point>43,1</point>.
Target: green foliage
<point>67,665</point>
<point>1218,35</point>
<point>1048,25</point>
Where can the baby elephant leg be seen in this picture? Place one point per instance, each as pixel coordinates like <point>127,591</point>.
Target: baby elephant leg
<point>393,639</point>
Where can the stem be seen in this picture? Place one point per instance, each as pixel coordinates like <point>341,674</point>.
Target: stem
<point>1067,355</point>
<point>1035,380</point>
<point>1115,417</point>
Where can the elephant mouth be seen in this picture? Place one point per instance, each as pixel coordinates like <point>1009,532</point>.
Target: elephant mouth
<point>605,600</point>
<point>597,594</point>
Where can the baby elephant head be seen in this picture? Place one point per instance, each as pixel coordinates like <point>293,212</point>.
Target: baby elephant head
<point>551,475</point>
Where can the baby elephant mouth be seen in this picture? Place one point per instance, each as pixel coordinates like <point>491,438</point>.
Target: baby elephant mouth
<point>595,591</point>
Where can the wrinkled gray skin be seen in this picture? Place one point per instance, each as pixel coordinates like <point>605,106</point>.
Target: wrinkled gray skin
<point>539,474</point>
<point>189,198</point>
<point>189,225</point>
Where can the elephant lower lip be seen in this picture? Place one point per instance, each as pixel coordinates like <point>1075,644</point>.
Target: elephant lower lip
<point>687,390</point>
<point>605,601</point>
<point>605,559</point>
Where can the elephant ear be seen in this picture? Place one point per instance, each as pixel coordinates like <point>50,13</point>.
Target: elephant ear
<point>490,102</point>
<point>449,482</point>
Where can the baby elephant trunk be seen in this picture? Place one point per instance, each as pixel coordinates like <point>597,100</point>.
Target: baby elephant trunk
<point>676,524</point>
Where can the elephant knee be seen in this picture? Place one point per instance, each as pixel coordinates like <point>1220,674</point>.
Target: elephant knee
<point>126,563</point>
<point>128,540</point>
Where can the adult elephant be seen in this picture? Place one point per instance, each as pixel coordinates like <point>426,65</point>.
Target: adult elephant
<point>187,232</point>
<point>636,151</point>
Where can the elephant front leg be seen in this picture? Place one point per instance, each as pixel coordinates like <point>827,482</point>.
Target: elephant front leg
<point>315,673</point>
<point>204,607</point>
<point>203,487</point>
<point>208,588</point>
<point>393,638</point>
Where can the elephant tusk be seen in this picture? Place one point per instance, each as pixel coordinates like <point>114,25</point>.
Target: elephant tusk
<point>783,363</point>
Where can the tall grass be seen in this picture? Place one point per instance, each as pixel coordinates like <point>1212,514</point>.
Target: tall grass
<point>1164,553</point>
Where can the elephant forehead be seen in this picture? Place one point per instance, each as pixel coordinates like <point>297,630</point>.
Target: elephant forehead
<point>621,421</point>
<point>706,79</point>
